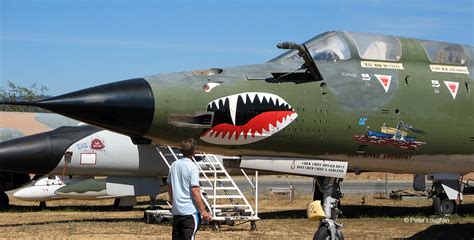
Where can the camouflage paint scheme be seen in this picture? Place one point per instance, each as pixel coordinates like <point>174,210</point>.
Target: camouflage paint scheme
<point>330,111</point>
<point>402,113</point>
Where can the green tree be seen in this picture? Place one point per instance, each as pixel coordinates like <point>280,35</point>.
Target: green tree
<point>15,92</point>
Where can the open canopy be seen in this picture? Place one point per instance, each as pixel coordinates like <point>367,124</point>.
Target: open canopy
<point>336,46</point>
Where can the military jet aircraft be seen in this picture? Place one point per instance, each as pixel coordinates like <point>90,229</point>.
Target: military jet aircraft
<point>83,152</point>
<point>71,156</point>
<point>380,103</point>
<point>14,125</point>
<point>77,154</point>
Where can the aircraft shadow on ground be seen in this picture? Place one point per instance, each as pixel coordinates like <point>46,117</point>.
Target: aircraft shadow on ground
<point>95,220</point>
<point>348,211</point>
<point>447,231</point>
<point>71,208</point>
<point>358,211</point>
<point>81,208</point>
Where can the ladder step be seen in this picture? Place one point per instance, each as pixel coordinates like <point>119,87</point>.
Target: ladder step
<point>219,188</point>
<point>230,206</point>
<point>225,196</point>
<point>211,168</point>
<point>218,180</point>
<point>231,210</point>
<point>207,163</point>
<point>212,171</point>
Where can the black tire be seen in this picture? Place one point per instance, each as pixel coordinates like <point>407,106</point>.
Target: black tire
<point>446,207</point>
<point>4,201</point>
<point>121,208</point>
<point>253,225</point>
<point>116,203</point>
<point>150,219</point>
<point>443,206</point>
<point>436,203</point>
<point>145,216</point>
<point>215,227</point>
<point>324,234</point>
<point>42,205</point>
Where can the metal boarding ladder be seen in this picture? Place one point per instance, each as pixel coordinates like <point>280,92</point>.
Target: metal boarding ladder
<point>220,193</point>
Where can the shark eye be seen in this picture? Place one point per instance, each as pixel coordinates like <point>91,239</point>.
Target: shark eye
<point>210,85</point>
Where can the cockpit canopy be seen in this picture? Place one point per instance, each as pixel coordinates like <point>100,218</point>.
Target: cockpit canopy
<point>327,47</point>
<point>439,52</point>
<point>377,47</point>
<point>336,46</point>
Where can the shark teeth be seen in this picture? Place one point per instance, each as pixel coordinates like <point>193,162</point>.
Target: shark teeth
<point>251,136</point>
<point>233,108</point>
<point>252,96</point>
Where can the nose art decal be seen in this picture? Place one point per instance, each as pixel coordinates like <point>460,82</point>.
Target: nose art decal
<point>247,117</point>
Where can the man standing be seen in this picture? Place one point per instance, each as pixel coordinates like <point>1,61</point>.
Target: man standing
<point>185,193</point>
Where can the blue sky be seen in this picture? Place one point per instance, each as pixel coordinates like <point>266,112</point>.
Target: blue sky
<point>69,45</point>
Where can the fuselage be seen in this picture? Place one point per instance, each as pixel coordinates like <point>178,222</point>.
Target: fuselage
<point>428,102</point>
<point>382,103</point>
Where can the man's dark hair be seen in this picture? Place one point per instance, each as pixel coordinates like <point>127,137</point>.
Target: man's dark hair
<point>188,147</point>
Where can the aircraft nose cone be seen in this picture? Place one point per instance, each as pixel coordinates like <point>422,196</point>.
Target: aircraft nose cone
<point>126,107</point>
<point>40,153</point>
<point>23,194</point>
<point>27,193</point>
<point>37,193</point>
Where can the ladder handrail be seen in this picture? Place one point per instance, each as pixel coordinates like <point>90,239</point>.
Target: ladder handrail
<point>202,171</point>
<point>172,153</point>
<point>214,189</point>
<point>215,167</point>
<point>215,176</point>
<point>247,177</point>
<point>163,156</point>
<point>232,181</point>
<point>176,158</point>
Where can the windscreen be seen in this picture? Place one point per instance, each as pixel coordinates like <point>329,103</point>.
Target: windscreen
<point>327,47</point>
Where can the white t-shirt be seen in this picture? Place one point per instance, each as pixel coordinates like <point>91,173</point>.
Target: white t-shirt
<point>183,175</point>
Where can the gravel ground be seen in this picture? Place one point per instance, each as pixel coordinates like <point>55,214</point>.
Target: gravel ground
<point>376,219</point>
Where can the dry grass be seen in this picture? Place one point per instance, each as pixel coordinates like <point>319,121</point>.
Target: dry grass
<point>363,177</point>
<point>379,218</point>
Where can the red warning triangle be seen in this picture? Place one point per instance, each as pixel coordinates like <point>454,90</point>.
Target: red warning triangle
<point>453,88</point>
<point>385,80</point>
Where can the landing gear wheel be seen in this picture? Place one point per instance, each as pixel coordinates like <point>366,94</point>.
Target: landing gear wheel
<point>42,205</point>
<point>215,226</point>
<point>4,201</point>
<point>149,218</point>
<point>253,225</point>
<point>446,207</point>
<point>121,208</point>
<point>116,203</point>
<point>324,234</point>
<point>436,203</point>
<point>443,206</point>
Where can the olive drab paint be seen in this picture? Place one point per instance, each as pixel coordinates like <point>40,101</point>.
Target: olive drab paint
<point>381,103</point>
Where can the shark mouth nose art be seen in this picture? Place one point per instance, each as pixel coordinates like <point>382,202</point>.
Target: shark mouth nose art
<point>247,117</point>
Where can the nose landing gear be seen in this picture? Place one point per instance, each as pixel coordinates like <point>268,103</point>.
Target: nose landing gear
<point>330,192</point>
<point>4,201</point>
